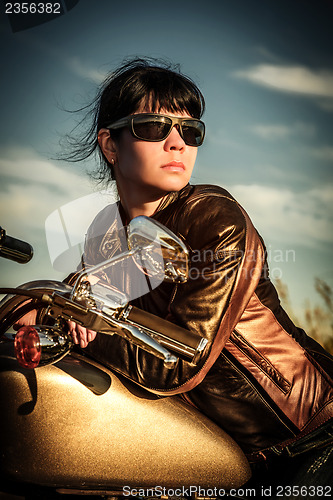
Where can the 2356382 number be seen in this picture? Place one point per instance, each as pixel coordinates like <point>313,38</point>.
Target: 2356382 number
<point>304,491</point>
<point>32,8</point>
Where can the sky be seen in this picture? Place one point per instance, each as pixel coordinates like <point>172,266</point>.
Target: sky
<point>265,68</point>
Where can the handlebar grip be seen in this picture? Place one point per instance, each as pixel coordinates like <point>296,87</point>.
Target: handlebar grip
<point>170,335</point>
<point>14,249</point>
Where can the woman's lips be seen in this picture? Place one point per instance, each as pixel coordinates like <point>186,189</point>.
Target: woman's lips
<point>174,166</point>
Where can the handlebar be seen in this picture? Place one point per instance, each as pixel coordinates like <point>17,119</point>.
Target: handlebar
<point>179,340</point>
<point>158,336</point>
<point>14,249</point>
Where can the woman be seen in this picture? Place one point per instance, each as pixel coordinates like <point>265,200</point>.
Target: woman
<point>263,380</point>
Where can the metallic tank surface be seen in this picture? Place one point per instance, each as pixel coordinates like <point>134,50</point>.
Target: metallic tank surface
<point>77,425</point>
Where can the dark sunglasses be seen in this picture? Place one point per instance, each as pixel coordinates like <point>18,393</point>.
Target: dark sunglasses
<point>155,127</point>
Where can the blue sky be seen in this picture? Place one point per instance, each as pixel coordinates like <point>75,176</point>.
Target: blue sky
<point>266,70</point>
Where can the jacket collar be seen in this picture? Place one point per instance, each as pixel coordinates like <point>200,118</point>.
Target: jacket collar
<point>171,198</point>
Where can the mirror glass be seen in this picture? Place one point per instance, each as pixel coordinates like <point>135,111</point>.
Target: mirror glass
<point>159,247</point>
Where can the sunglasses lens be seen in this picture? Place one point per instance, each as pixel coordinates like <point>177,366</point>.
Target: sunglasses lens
<point>157,128</point>
<point>152,128</point>
<point>193,132</point>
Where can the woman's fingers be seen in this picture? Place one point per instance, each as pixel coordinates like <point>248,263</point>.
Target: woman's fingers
<point>26,320</point>
<point>80,335</point>
<point>72,331</point>
<point>91,334</point>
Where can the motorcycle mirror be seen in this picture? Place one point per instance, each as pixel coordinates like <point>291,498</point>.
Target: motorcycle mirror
<point>159,247</point>
<point>154,255</point>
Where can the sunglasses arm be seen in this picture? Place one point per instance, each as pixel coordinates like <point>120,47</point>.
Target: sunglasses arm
<point>118,124</point>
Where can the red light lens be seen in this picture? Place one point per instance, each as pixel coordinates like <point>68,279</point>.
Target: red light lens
<point>27,347</point>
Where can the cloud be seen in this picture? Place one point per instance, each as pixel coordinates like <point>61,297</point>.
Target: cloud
<point>326,105</point>
<point>263,52</point>
<point>324,153</point>
<point>272,132</point>
<point>302,218</point>
<point>291,79</point>
<point>220,137</point>
<point>30,39</point>
<point>32,187</point>
<point>83,71</point>
<point>27,166</point>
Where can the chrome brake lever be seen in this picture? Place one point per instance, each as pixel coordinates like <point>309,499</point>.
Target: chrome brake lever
<point>141,338</point>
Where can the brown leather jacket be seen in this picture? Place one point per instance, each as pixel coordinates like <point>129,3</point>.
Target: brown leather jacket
<point>263,380</point>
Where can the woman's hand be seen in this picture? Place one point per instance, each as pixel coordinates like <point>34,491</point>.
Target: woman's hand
<point>26,320</point>
<point>80,335</point>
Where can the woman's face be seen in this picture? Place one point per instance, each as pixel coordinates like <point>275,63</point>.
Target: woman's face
<point>154,168</point>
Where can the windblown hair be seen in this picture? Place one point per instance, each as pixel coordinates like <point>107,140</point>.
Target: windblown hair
<point>135,84</point>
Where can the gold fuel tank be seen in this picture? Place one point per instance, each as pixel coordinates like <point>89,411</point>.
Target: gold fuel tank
<point>76,424</point>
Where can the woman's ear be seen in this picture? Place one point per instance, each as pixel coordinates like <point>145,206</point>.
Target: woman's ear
<point>107,145</point>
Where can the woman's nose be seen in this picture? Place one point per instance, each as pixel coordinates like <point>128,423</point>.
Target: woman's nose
<point>174,141</point>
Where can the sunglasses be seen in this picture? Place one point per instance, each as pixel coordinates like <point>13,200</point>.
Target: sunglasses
<point>155,127</point>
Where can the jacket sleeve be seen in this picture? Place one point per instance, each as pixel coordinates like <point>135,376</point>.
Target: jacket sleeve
<point>226,261</point>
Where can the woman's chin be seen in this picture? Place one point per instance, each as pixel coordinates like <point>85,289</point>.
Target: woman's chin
<point>174,183</point>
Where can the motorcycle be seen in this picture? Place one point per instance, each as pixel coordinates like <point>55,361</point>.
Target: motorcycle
<point>69,425</point>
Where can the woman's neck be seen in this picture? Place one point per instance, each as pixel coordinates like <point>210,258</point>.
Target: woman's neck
<point>135,204</point>
<point>147,208</point>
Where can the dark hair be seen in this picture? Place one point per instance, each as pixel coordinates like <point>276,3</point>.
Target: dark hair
<point>136,83</point>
